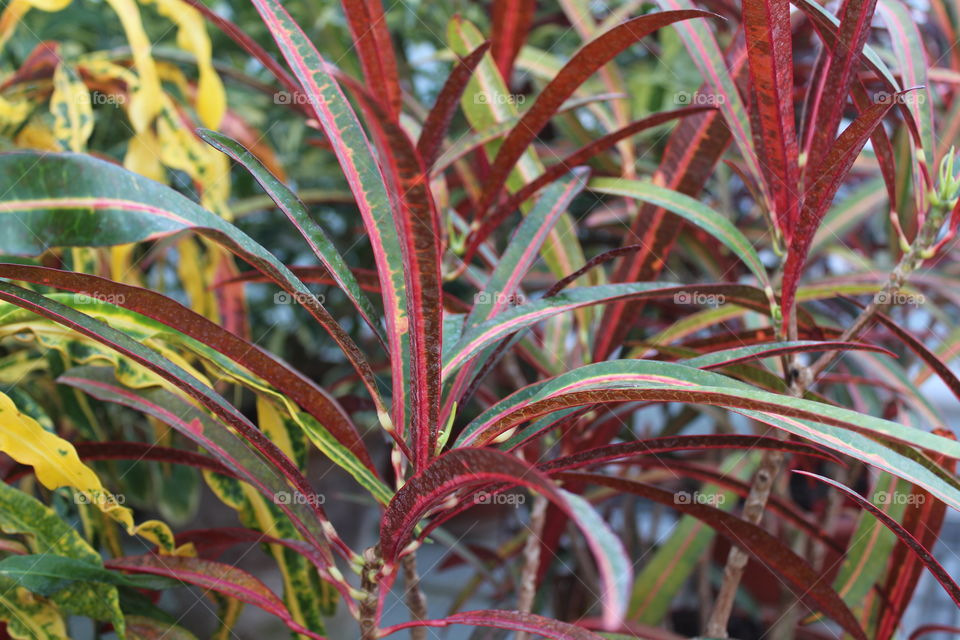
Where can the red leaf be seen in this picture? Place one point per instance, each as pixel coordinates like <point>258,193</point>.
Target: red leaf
<point>805,580</point>
<point>770,54</point>
<point>438,120</point>
<point>584,64</point>
<point>831,172</point>
<point>371,38</point>
<point>512,620</point>
<point>951,587</point>
<point>844,62</point>
<point>653,446</point>
<point>213,576</point>
<point>577,158</point>
<point>511,20</point>
<point>298,387</point>
<point>467,468</point>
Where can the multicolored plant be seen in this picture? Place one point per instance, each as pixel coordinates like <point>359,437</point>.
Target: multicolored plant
<point>489,351</point>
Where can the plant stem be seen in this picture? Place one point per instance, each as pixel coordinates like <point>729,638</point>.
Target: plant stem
<point>416,600</point>
<point>531,559</point>
<point>369,584</point>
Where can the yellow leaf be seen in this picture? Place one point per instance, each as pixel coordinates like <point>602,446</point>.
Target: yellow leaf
<point>145,98</point>
<point>56,464</point>
<point>192,36</point>
<point>15,10</point>
<point>70,106</point>
<point>37,135</point>
<point>143,156</point>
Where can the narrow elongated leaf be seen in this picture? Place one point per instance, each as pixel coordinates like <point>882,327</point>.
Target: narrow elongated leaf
<point>654,446</point>
<point>805,580</point>
<point>313,233</point>
<point>766,24</point>
<point>371,39</point>
<point>298,387</point>
<point>831,172</point>
<point>128,208</point>
<point>512,320</point>
<point>356,158</point>
<point>213,576</point>
<point>578,157</point>
<point>690,209</point>
<point>511,20</point>
<point>944,578</point>
<point>842,66</point>
<point>727,357</point>
<point>693,149</point>
<point>719,76</point>
<point>511,620</point>
<point>838,429</point>
<point>467,468</point>
<point>213,437</point>
<point>438,120</point>
<point>584,63</point>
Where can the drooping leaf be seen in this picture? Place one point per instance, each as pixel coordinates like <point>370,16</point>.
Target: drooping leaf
<point>756,541</point>
<point>95,203</point>
<point>466,468</point>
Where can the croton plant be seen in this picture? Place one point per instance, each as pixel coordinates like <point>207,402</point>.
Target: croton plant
<point>662,294</point>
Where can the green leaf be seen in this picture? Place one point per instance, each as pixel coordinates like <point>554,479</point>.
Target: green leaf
<point>47,534</point>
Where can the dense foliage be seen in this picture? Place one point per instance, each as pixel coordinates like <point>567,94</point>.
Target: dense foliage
<point>656,293</point>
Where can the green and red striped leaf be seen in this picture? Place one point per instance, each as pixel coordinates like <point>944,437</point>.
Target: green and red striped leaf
<point>509,620</point>
<point>371,39</point>
<point>768,549</point>
<point>467,468</point>
<point>213,576</point>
